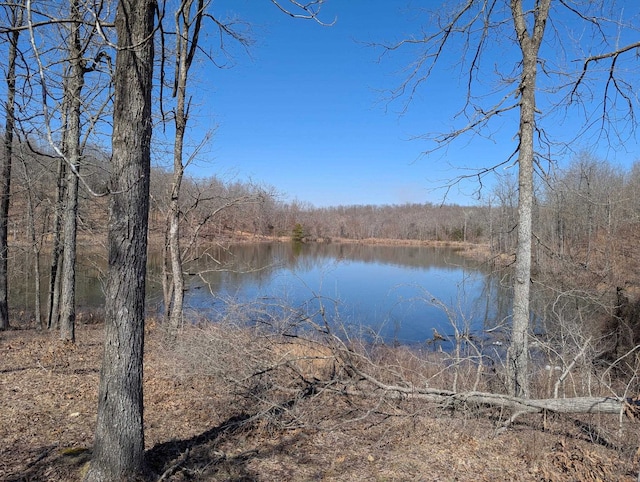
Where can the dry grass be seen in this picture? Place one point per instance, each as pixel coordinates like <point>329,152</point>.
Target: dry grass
<point>230,404</point>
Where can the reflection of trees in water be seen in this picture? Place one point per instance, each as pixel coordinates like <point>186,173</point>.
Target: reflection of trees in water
<point>495,303</point>
<point>313,255</point>
<point>89,280</point>
<point>222,271</point>
<point>405,256</point>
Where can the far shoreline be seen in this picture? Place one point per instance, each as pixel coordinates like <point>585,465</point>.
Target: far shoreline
<point>481,252</point>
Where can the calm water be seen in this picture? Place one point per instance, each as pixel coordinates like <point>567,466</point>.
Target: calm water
<point>391,292</point>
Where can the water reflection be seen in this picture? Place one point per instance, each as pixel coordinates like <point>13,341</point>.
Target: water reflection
<point>399,293</point>
<point>89,280</point>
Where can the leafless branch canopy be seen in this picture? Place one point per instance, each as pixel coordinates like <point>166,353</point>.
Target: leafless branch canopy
<point>614,84</point>
<point>304,10</point>
<point>484,40</point>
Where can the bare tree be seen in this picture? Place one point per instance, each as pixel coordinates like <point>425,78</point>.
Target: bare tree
<point>66,117</point>
<point>74,83</point>
<point>118,452</point>
<point>476,21</point>
<point>35,235</point>
<point>15,13</point>
<point>80,40</point>
<point>474,27</point>
<point>188,19</point>
<point>189,16</point>
<point>53,301</point>
<point>529,40</point>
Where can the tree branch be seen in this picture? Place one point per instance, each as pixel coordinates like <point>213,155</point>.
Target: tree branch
<point>310,10</point>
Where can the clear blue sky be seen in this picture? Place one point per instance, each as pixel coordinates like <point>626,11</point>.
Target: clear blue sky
<point>304,112</point>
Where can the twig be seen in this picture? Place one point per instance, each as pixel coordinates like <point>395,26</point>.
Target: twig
<point>565,374</point>
<point>173,467</point>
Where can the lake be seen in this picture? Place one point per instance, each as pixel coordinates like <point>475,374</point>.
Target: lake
<point>399,294</point>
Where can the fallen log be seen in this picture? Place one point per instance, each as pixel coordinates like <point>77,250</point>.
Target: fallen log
<point>576,405</point>
<point>582,404</point>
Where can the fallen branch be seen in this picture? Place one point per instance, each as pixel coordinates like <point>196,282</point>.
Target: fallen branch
<point>610,405</point>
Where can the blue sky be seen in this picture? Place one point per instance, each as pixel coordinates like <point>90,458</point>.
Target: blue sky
<point>305,111</point>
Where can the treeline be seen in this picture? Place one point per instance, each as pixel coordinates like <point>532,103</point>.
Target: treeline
<point>420,222</point>
<point>209,206</point>
<point>214,208</point>
<point>586,223</point>
<point>586,214</point>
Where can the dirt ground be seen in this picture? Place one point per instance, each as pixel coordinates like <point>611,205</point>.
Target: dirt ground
<point>194,431</point>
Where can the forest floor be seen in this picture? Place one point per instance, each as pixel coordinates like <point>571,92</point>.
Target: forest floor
<point>197,431</point>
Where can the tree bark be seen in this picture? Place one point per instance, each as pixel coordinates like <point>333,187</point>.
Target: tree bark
<point>5,166</point>
<point>518,352</point>
<point>73,90</point>
<point>53,317</point>
<point>118,452</point>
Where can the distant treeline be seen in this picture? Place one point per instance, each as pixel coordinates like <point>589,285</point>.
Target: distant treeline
<point>576,209</point>
<point>213,207</point>
<point>422,222</point>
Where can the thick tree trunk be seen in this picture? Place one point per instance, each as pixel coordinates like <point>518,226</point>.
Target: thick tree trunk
<point>68,273</point>
<point>73,91</point>
<point>518,352</point>
<point>5,168</point>
<point>119,441</point>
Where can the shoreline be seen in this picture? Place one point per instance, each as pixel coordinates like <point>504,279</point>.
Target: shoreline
<point>480,252</point>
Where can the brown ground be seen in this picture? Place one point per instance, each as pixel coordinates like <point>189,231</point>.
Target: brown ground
<point>193,431</point>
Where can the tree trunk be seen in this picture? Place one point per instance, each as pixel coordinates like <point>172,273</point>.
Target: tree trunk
<point>167,282</point>
<point>56,251</point>
<point>35,245</point>
<point>176,312</point>
<point>518,352</point>
<point>119,440</point>
<point>73,90</point>
<point>185,51</point>
<point>68,272</point>
<point>5,166</point>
